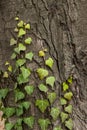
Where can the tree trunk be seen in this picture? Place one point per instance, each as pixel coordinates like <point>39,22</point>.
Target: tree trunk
<point>59,26</point>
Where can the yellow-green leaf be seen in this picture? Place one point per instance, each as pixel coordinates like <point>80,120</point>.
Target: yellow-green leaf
<point>27,26</point>
<point>42,73</point>
<point>65,86</point>
<point>50,81</point>
<point>28,40</point>
<point>63,116</point>
<point>20,24</point>
<point>10,68</point>
<point>41,53</point>
<point>13,42</point>
<point>68,109</point>
<point>22,32</point>
<point>49,62</point>
<point>69,124</point>
<point>68,95</point>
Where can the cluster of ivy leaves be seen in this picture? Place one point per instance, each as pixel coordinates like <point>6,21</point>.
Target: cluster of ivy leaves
<point>21,56</point>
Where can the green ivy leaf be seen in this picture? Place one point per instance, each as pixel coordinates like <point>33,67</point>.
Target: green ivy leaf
<point>18,125</point>
<point>58,128</point>
<point>25,72</point>
<point>9,126</point>
<point>63,101</point>
<point>50,81</point>
<point>29,56</point>
<point>42,104</point>
<point>27,26</point>
<point>19,95</point>
<point>49,62</point>
<point>21,79</point>
<point>69,124</point>
<point>22,32</point>
<point>55,112</point>
<point>29,121</point>
<point>3,92</point>
<point>65,86</point>
<point>63,116</point>
<point>44,123</point>
<point>20,24</point>
<point>20,62</point>
<point>13,56</point>
<point>13,42</point>
<point>9,111</point>
<point>41,53</point>
<point>70,80</point>
<point>28,40</point>
<point>17,50</point>
<point>52,97</point>
<point>19,110</point>
<point>43,88</point>
<point>68,95</point>
<point>26,104</point>
<point>29,89</point>
<point>68,109</point>
<point>21,47</point>
<point>42,73</point>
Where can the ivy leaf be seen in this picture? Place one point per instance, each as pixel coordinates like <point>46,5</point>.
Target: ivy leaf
<point>42,73</point>
<point>27,26</point>
<point>7,63</point>
<point>55,113</point>
<point>43,88</point>
<point>65,86</point>
<point>10,68</point>
<point>63,116</point>
<point>3,93</point>
<point>25,72</point>
<point>18,125</point>
<point>21,79</point>
<point>28,40</point>
<point>49,62</point>
<point>41,53</point>
<point>69,124</point>
<point>68,95</point>
<point>50,81</point>
<point>20,24</point>
<point>17,50</point>
<point>29,89</point>
<point>9,111</point>
<point>63,101</point>
<point>13,56</point>
<point>19,95</point>
<point>26,105</point>
<point>13,42</point>
<point>29,56</point>
<point>21,47</point>
<point>29,121</point>
<point>70,80</point>
<point>19,110</point>
<point>16,18</point>
<point>58,128</point>
<point>16,30</point>
<point>20,62</point>
<point>44,123</point>
<point>42,104</point>
<point>21,32</point>
<point>9,126</point>
<point>52,97</point>
<point>68,109</point>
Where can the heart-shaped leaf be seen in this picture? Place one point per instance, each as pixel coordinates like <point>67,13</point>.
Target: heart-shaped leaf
<point>55,112</point>
<point>26,104</point>
<point>29,56</point>
<point>63,101</point>
<point>25,72</point>
<point>21,79</point>
<point>69,124</point>
<point>29,89</point>
<point>52,97</point>
<point>63,116</point>
<point>22,32</point>
<point>44,123</point>
<point>18,125</point>
<point>20,24</point>
<point>28,40</point>
<point>5,74</point>
<point>50,81</point>
<point>19,110</point>
<point>68,109</point>
<point>29,121</point>
<point>13,42</point>
<point>49,62</point>
<point>27,26</point>
<point>3,93</point>
<point>42,104</point>
<point>21,47</point>
<point>9,111</point>
<point>19,95</point>
<point>42,73</point>
<point>68,95</point>
<point>65,86</point>
<point>57,128</point>
<point>20,62</point>
<point>41,53</point>
<point>43,88</point>
<point>13,56</point>
<point>70,80</point>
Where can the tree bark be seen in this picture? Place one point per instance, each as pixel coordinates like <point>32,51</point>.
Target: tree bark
<point>59,26</point>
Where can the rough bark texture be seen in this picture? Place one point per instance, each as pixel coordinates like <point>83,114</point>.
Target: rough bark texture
<point>60,26</point>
